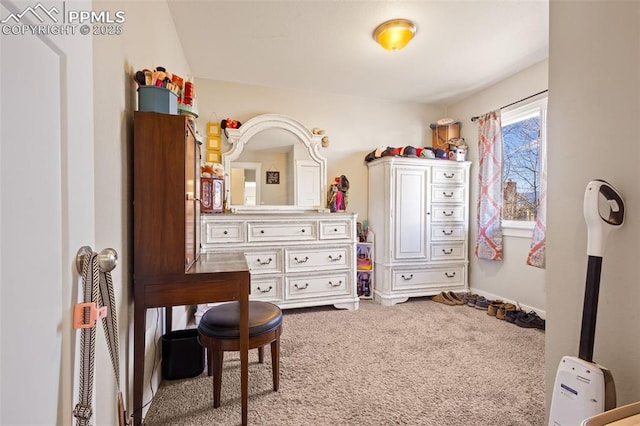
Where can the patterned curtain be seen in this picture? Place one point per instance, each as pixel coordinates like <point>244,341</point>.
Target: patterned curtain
<point>536,255</point>
<point>489,239</point>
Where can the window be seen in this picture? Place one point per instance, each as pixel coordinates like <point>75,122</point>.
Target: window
<point>523,139</point>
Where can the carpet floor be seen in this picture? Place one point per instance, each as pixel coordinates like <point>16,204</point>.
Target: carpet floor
<point>415,363</point>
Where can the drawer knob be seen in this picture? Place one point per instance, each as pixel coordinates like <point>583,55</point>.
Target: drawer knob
<point>448,176</point>
<point>264,291</point>
<point>263,262</point>
<point>449,195</point>
<point>335,259</point>
<point>447,251</point>
<point>339,283</point>
<point>225,232</point>
<point>335,229</point>
<point>301,260</point>
<point>303,230</point>
<point>407,279</point>
<point>262,231</point>
<point>453,274</point>
<point>450,232</point>
<point>448,214</point>
<point>301,287</point>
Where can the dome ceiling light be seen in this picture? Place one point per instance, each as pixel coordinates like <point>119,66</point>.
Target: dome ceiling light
<point>393,35</point>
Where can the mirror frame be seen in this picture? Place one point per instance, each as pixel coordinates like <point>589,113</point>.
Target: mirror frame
<point>241,137</point>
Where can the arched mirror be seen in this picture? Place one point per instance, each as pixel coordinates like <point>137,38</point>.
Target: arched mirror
<point>274,164</point>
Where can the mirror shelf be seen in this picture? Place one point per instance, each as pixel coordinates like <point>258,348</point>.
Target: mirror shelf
<point>268,143</point>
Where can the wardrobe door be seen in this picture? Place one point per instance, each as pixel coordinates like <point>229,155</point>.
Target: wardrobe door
<point>410,205</point>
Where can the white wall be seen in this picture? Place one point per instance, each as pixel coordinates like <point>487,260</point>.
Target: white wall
<point>594,111</point>
<point>354,125</point>
<point>148,40</point>
<point>511,278</point>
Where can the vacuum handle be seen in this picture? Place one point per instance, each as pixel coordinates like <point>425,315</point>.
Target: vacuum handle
<point>599,225</point>
<point>590,309</point>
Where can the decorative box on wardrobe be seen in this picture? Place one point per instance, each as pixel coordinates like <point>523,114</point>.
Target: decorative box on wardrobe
<point>419,212</point>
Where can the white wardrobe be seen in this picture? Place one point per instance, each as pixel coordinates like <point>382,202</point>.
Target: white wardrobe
<point>419,212</point>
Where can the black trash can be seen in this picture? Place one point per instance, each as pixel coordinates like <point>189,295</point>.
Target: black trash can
<point>182,355</point>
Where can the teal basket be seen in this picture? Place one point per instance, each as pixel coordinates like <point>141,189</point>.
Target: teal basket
<point>157,99</point>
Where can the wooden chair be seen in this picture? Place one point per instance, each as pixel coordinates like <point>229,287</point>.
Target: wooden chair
<point>219,332</point>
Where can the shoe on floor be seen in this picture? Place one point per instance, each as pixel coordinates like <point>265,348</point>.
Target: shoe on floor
<point>482,303</point>
<point>530,320</point>
<point>441,298</point>
<point>470,299</point>
<point>501,313</point>
<point>493,307</point>
<point>512,315</point>
<point>454,297</point>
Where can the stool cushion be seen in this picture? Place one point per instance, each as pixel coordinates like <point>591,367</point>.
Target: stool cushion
<point>223,321</point>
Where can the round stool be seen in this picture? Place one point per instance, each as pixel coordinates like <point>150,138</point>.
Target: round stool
<point>219,331</point>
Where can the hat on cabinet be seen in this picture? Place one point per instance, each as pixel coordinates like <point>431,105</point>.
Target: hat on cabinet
<point>409,151</point>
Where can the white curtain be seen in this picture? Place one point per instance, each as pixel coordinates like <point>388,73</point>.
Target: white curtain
<point>489,238</point>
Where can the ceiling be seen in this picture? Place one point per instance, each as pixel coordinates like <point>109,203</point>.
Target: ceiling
<point>327,46</point>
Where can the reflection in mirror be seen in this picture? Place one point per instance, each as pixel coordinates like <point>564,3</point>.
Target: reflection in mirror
<point>244,186</point>
<point>281,147</point>
<point>271,150</point>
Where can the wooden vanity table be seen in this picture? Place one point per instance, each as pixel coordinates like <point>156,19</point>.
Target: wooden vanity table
<point>218,278</point>
<point>167,268</point>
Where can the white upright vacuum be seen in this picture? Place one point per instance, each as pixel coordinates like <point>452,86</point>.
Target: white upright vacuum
<point>583,388</point>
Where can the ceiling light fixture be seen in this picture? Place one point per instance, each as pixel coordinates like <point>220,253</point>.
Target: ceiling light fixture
<point>394,34</point>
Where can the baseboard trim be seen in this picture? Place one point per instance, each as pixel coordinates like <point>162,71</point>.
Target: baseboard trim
<point>541,313</point>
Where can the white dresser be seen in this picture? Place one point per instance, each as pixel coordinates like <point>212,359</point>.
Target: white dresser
<point>419,212</point>
<point>296,259</point>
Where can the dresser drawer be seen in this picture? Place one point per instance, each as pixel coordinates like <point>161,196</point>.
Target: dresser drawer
<point>413,278</point>
<point>454,251</point>
<point>441,213</point>
<point>264,262</point>
<point>449,174</point>
<point>297,231</point>
<point>223,232</point>
<point>336,230</point>
<point>318,286</point>
<point>318,258</point>
<point>447,194</point>
<point>447,232</point>
<point>266,288</point>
